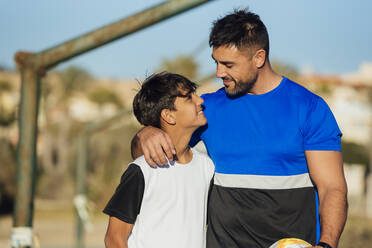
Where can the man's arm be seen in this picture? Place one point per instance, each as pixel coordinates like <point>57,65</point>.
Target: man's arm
<point>154,144</point>
<point>117,233</point>
<point>326,171</point>
<point>135,147</point>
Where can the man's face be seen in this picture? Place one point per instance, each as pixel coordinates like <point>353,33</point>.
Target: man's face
<point>236,69</point>
<point>189,111</point>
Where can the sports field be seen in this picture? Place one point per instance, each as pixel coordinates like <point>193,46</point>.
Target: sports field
<point>54,227</point>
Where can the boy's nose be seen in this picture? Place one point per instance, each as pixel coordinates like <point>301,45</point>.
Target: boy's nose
<point>200,100</point>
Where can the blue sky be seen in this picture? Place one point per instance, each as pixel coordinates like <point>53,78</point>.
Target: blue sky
<point>328,36</point>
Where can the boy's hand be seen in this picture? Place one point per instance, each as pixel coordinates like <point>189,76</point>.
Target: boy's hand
<point>156,146</point>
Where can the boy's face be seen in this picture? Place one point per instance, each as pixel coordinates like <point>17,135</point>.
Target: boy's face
<point>189,111</point>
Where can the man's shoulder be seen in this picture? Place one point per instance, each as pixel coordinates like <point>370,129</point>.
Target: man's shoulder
<point>301,95</point>
<point>297,89</point>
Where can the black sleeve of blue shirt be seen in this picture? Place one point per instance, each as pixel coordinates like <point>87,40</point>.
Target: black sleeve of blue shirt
<point>126,202</point>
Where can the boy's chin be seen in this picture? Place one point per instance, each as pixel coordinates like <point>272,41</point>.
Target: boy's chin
<point>202,123</point>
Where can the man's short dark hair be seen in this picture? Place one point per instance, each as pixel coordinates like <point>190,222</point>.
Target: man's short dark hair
<point>158,92</point>
<point>241,29</point>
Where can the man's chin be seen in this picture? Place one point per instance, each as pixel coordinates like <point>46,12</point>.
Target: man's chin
<point>238,90</point>
<point>230,90</point>
<point>231,93</point>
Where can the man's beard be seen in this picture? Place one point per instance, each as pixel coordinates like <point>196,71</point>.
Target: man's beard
<point>240,88</point>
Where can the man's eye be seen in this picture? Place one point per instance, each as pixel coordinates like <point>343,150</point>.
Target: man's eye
<point>228,66</point>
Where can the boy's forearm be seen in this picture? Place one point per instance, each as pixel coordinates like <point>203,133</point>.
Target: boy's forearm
<point>117,233</point>
<point>116,242</point>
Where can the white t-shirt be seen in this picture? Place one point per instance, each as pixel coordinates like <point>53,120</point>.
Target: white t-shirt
<point>168,205</point>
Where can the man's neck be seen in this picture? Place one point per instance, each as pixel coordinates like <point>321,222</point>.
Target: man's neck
<point>267,80</point>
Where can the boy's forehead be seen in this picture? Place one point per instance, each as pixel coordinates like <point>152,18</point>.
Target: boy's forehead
<point>184,92</point>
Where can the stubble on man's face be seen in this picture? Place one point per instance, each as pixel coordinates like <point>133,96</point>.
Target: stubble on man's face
<point>236,69</point>
<point>239,87</point>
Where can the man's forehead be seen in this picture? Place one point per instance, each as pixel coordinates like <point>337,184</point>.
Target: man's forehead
<point>229,53</point>
<point>226,51</point>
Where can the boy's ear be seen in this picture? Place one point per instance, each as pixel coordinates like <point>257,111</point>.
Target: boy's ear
<point>168,116</point>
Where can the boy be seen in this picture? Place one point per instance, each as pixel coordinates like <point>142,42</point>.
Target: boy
<point>164,207</point>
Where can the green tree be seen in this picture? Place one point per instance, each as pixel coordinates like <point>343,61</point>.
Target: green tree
<point>102,96</point>
<point>7,175</point>
<point>5,86</point>
<point>354,153</point>
<point>182,64</point>
<point>285,69</point>
<point>74,79</point>
<point>6,117</point>
<point>58,136</point>
<point>323,89</point>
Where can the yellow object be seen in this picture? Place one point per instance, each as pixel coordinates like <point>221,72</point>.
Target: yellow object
<point>290,243</point>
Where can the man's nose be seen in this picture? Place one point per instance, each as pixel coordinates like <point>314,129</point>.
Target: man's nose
<point>220,72</point>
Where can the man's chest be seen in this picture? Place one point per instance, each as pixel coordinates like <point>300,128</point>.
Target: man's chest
<point>258,138</point>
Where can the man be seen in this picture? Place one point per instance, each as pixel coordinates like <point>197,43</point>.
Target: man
<point>178,192</point>
<point>275,146</point>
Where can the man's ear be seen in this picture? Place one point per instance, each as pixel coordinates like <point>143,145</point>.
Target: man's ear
<point>168,116</point>
<point>259,58</point>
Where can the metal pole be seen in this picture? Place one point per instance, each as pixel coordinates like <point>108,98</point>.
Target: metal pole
<point>95,127</point>
<point>26,157</point>
<point>80,199</point>
<point>368,205</point>
<point>111,32</point>
<point>81,171</point>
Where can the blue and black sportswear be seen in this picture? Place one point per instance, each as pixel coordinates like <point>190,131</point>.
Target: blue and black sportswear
<point>262,189</point>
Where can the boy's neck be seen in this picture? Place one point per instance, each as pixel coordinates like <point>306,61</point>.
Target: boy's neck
<point>181,140</point>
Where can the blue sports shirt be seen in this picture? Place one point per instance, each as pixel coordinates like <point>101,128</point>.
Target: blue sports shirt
<point>267,134</point>
<point>262,189</point>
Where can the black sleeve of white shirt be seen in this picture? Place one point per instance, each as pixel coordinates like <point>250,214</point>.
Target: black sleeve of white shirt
<point>125,204</point>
